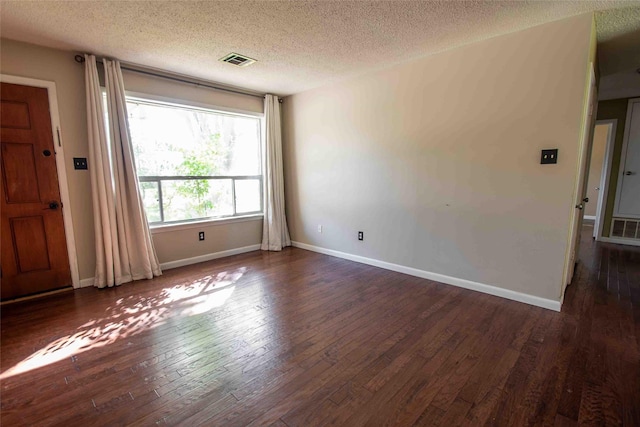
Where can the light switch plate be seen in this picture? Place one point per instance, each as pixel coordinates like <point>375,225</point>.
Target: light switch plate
<point>80,163</point>
<point>549,156</point>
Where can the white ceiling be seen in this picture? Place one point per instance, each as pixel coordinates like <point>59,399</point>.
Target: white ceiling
<point>300,44</point>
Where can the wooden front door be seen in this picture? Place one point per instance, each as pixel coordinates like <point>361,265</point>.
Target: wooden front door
<point>34,248</point>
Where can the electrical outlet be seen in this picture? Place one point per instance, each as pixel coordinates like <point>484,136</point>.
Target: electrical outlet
<point>201,235</point>
<point>360,235</point>
<point>319,228</point>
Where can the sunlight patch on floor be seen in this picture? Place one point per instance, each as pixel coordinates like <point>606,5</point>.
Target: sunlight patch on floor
<point>133,315</point>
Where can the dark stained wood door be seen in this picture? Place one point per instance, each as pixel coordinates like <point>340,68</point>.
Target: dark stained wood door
<point>34,249</point>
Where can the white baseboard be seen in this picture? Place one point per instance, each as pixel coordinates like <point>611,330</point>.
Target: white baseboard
<point>590,217</point>
<point>85,283</point>
<point>208,257</point>
<point>463,283</point>
<point>620,241</point>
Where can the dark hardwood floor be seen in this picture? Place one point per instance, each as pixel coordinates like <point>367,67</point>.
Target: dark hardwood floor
<point>300,339</point>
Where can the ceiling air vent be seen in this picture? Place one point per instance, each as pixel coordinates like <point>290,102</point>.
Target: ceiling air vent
<point>237,59</point>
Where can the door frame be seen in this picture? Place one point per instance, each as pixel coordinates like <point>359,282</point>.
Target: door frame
<point>605,176</point>
<point>623,159</point>
<point>60,165</point>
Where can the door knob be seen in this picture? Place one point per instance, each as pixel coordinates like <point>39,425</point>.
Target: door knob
<point>628,173</point>
<point>54,205</point>
<point>580,206</point>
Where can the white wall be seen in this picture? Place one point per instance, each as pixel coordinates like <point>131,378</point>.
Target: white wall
<point>620,85</point>
<point>27,60</point>
<point>437,160</point>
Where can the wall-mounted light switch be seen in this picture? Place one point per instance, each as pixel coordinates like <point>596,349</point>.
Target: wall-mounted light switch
<point>80,163</point>
<point>549,156</point>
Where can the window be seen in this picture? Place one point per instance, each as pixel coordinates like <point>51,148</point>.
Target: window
<point>195,163</point>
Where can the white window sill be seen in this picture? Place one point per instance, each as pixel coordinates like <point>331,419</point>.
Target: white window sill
<point>165,228</point>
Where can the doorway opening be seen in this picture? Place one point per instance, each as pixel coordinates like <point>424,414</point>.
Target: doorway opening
<point>599,174</point>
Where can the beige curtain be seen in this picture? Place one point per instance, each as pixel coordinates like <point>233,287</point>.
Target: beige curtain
<point>124,250</point>
<point>275,234</point>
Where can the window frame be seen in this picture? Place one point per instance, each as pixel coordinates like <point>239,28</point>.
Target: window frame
<point>158,226</point>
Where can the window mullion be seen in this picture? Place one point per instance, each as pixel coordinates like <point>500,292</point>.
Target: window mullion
<point>233,195</point>
<point>159,183</point>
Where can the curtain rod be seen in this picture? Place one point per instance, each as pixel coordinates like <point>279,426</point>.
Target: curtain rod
<point>80,59</point>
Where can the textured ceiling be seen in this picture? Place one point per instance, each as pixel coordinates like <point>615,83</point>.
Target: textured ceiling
<point>299,44</point>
